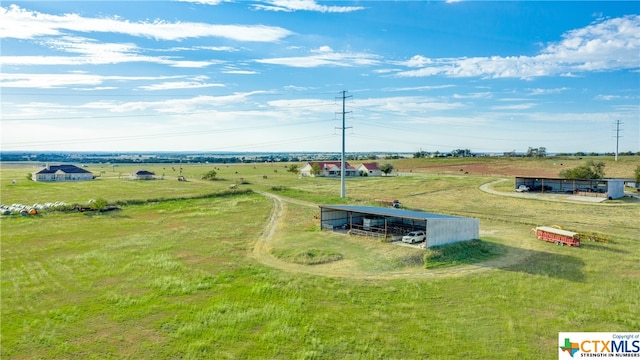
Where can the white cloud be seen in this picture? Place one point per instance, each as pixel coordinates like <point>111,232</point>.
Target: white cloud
<point>19,23</point>
<point>406,104</point>
<point>204,2</point>
<point>514,107</point>
<point>324,56</point>
<point>304,5</point>
<point>48,81</point>
<point>547,91</point>
<point>92,52</point>
<point>482,95</point>
<point>416,61</point>
<point>419,88</point>
<point>612,44</point>
<point>172,85</point>
<point>240,72</point>
<point>173,106</point>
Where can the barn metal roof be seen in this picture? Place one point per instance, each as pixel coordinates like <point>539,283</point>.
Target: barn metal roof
<point>400,213</point>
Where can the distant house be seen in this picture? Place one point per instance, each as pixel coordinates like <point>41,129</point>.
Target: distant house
<point>328,168</point>
<point>370,169</point>
<point>143,175</point>
<point>62,173</point>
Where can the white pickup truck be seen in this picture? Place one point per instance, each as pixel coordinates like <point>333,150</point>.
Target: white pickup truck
<point>522,188</point>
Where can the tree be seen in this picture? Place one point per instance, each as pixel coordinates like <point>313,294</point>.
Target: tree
<point>293,168</point>
<point>99,204</point>
<point>637,173</point>
<point>209,175</point>
<point>461,153</point>
<point>591,170</point>
<point>315,169</point>
<point>537,152</point>
<point>386,168</point>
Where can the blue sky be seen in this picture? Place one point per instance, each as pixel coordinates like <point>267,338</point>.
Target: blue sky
<point>217,75</point>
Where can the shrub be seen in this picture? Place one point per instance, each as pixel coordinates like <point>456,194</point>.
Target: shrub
<point>209,175</point>
<point>591,170</point>
<point>99,204</point>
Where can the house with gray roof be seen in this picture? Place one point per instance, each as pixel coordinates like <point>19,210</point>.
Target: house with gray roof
<point>143,175</point>
<point>52,173</point>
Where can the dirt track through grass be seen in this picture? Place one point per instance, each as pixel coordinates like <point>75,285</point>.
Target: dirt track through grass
<point>262,253</point>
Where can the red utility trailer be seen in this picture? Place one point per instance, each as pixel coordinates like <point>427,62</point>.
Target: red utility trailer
<point>558,236</point>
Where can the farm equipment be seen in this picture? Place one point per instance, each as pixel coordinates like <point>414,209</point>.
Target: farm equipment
<point>560,236</point>
<point>557,236</point>
<point>388,202</point>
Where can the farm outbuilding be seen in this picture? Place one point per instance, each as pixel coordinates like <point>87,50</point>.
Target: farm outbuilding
<point>606,188</point>
<point>390,223</point>
<point>143,175</point>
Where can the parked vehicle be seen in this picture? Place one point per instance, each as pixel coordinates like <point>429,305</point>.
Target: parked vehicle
<point>522,188</point>
<point>414,237</point>
<point>557,236</point>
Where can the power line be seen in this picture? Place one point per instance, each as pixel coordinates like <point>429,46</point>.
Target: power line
<point>342,161</point>
<point>618,122</point>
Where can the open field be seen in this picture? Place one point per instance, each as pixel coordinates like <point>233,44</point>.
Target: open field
<point>196,278</point>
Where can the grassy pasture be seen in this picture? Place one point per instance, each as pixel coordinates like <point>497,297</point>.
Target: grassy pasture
<point>177,279</point>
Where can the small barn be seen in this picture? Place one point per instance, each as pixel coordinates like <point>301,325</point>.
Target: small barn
<point>62,173</point>
<point>390,223</point>
<point>143,175</point>
<point>605,188</point>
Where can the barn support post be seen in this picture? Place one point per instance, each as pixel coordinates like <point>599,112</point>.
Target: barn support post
<point>426,234</point>
<point>385,227</point>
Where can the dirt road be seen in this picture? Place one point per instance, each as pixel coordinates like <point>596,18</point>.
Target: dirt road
<point>346,269</point>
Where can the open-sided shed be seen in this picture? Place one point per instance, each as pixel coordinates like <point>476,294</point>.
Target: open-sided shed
<point>391,223</point>
<point>606,188</point>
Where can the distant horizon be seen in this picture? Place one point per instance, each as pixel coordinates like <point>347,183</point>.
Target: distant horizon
<point>265,75</point>
<point>167,152</point>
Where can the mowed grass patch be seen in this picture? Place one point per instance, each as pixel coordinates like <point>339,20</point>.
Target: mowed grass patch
<point>466,252</point>
<point>308,257</point>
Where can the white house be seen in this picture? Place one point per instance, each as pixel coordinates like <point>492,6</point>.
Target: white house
<point>62,173</point>
<point>370,169</point>
<point>328,168</point>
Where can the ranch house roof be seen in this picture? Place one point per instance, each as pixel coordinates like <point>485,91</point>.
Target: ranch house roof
<point>67,169</point>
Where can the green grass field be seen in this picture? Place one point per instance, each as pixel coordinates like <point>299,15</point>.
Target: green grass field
<point>180,279</point>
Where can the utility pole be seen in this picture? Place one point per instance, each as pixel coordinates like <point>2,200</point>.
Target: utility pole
<point>343,191</point>
<point>618,122</point>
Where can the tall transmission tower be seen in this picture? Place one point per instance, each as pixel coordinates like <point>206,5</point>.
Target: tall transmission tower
<point>343,191</point>
<point>618,123</point>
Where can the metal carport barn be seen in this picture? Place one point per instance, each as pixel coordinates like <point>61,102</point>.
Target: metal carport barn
<point>393,223</point>
<point>606,188</point>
